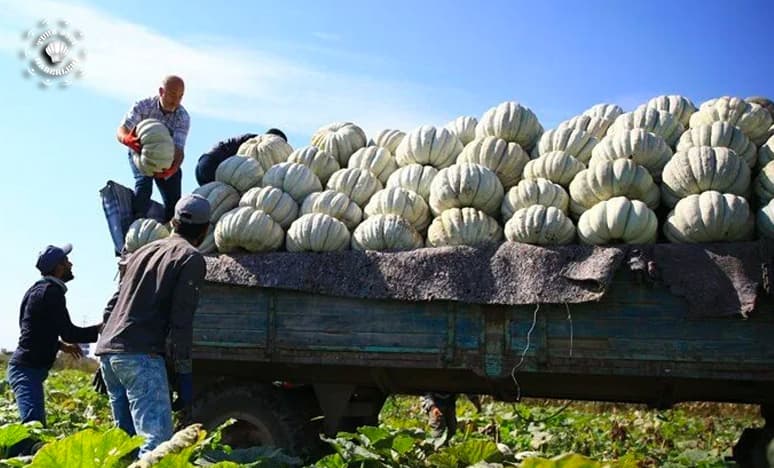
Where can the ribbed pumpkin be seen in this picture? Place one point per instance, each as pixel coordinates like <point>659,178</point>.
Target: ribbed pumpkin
<point>710,217</point>
<point>249,229</point>
<point>753,120</point>
<point>765,221</point>
<point>340,139</point>
<point>272,201</point>
<point>610,179</point>
<point>389,139</point>
<point>376,159</point>
<point>764,102</point>
<point>660,122</point>
<point>679,106</point>
<point>604,111</point>
<point>208,244</point>
<point>320,162</point>
<point>415,177</point>
<point>317,232</point>
<point>596,126</point>
<point>428,145</point>
<point>401,202</point>
<point>618,221</point>
<point>334,204</point>
<point>158,149</point>
<point>541,225</point>
<point>703,168</point>
<point>512,122</point>
<point>764,183</point>
<point>240,172</point>
<point>719,134</point>
<point>466,185</point>
<point>386,233</point>
<point>222,198</point>
<point>267,149</point>
<point>507,160</point>
<point>463,226</point>
<point>766,152</point>
<point>464,128</point>
<point>534,192</point>
<point>557,166</point>
<point>358,184</point>
<point>144,231</point>
<point>575,142</point>
<point>644,148</point>
<point>295,179</point>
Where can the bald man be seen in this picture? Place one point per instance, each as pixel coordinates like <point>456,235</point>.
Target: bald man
<point>166,108</point>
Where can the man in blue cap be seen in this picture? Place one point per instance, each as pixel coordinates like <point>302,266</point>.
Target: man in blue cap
<point>45,329</point>
<point>157,295</point>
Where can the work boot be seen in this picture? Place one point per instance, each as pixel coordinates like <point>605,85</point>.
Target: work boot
<point>437,422</point>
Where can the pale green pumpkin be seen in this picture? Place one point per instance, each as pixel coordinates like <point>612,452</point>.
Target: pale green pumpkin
<point>752,119</point>
<point>573,141</point>
<point>272,201</point>
<point>604,111</point>
<point>764,183</point>
<point>642,147</point>
<point>703,168</point>
<point>295,179</point>
<point>401,202</point>
<point>386,233</point>
<point>557,166</point>
<point>249,229</point>
<point>267,149</point>
<point>144,231</point>
<point>719,134</point>
<point>340,139</point>
<point>334,204</point>
<point>660,122</point>
<point>463,226</point>
<point>414,177</point>
<point>464,127</point>
<point>157,148</point>
<point>766,152</point>
<point>765,221</point>
<point>679,106</point>
<point>320,162</point>
<point>466,185</point>
<point>222,198</point>
<point>710,217</point>
<point>376,159</point>
<point>540,225</point>
<point>513,122</point>
<point>389,139</point>
<point>428,145</point>
<point>596,126</point>
<point>507,160</point>
<point>618,221</point>
<point>534,192</point>
<point>610,179</point>
<point>317,232</point>
<point>356,183</point>
<point>240,172</point>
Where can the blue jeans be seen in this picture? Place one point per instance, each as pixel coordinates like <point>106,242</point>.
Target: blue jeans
<point>27,385</point>
<point>139,396</point>
<point>143,189</point>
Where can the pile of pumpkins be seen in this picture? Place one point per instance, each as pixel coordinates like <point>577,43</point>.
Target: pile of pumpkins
<point>602,177</point>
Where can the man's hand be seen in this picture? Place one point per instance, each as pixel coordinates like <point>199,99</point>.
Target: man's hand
<point>176,163</point>
<point>71,349</point>
<point>132,141</point>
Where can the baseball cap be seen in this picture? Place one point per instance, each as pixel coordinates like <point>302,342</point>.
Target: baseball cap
<point>52,256</point>
<point>193,209</point>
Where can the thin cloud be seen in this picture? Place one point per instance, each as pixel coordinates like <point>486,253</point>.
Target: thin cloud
<point>326,36</point>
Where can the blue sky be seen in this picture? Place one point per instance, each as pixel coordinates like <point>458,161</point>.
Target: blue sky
<point>249,66</point>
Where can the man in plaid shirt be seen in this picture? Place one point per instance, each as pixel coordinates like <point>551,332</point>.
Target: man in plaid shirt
<point>166,108</point>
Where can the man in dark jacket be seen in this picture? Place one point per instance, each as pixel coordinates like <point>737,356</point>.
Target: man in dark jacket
<point>209,161</point>
<point>157,295</point>
<point>45,329</point>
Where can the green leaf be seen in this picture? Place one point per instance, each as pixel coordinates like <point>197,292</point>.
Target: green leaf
<point>373,435</point>
<point>473,451</point>
<point>403,443</point>
<point>443,459</point>
<point>570,460</point>
<point>176,460</point>
<point>331,461</point>
<point>10,435</point>
<point>253,456</point>
<point>87,449</point>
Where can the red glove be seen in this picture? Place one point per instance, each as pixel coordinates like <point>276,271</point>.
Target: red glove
<point>169,172</point>
<point>132,141</point>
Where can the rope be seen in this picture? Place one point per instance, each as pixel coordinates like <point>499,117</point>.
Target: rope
<point>524,354</point>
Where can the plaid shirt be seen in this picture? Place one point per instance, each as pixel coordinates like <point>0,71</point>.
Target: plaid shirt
<point>177,122</point>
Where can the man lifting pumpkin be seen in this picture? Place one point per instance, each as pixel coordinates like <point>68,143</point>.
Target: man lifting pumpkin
<point>167,109</point>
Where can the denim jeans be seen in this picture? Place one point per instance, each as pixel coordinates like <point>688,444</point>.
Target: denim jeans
<point>27,385</point>
<point>143,189</point>
<point>139,396</point>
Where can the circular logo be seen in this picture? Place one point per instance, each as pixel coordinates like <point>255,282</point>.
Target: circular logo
<point>53,54</point>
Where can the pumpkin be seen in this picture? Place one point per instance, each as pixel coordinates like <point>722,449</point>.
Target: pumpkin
<point>752,119</point>
<point>340,139</point>
<point>222,198</point>
<point>334,204</point>
<point>208,244</point>
<point>415,177</point>
<point>618,221</point>
<point>507,160</point>
<point>466,185</point>
<point>679,106</point>
<point>575,142</point>
<point>267,149</point>
<point>765,221</point>
<point>356,183</point>
<point>376,159</point>
<point>766,152</point>
<point>294,178</point>
<point>764,102</point>
<point>534,192</point>
<point>513,123</point>
<point>272,201</point>
<point>703,168</point>
<point>401,202</point>
<point>464,128</point>
<point>317,232</point>
<point>386,233</point>
<point>157,148</point>
<point>240,172</point>
<point>320,162</point>
<point>660,122</point>
<point>604,111</point>
<point>709,217</point>
<point>463,226</point>
<point>249,229</point>
<point>557,166</point>
<point>389,139</point>
<point>610,179</point>
<point>428,145</point>
<point>642,147</point>
<point>722,134</point>
<point>596,126</point>
<point>144,231</point>
<point>541,225</point>
<point>764,183</point>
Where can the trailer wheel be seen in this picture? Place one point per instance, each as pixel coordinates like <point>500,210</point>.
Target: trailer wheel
<point>265,416</point>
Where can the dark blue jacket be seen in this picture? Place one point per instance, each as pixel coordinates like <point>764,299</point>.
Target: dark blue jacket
<point>43,319</point>
<point>209,161</point>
